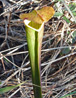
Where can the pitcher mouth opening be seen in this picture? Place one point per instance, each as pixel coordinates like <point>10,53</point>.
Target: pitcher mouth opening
<point>33,25</point>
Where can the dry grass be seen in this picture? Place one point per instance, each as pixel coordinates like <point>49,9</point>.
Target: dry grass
<point>58,69</point>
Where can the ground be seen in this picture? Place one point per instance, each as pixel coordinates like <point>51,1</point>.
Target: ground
<point>58,53</point>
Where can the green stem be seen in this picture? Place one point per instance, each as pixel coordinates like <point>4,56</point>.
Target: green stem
<point>34,40</point>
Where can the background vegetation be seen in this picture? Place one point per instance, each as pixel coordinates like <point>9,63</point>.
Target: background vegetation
<point>58,56</point>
